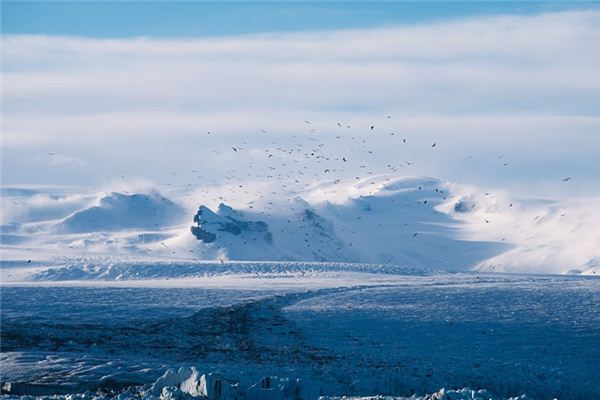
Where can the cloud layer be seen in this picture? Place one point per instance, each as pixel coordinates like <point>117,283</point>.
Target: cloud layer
<point>526,84</point>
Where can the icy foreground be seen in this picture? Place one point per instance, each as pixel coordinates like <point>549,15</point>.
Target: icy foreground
<point>288,335</point>
<point>188,383</point>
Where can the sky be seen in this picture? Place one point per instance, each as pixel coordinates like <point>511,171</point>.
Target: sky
<point>97,91</point>
<point>111,19</point>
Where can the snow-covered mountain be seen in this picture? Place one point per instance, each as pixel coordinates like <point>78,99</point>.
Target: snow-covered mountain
<point>118,211</point>
<point>393,221</point>
<point>385,219</point>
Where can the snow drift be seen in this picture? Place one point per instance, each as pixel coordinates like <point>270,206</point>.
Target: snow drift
<point>118,211</point>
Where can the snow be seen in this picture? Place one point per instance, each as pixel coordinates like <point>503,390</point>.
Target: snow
<point>385,219</point>
<point>117,211</point>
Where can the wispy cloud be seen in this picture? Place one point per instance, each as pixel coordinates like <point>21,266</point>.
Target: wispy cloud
<point>54,160</point>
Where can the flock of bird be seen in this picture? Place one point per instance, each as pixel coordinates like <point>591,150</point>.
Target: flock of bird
<point>284,169</point>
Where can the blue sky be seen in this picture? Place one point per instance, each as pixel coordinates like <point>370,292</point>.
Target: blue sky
<point>191,19</point>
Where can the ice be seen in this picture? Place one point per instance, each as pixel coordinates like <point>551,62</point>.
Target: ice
<point>103,270</point>
<point>403,335</point>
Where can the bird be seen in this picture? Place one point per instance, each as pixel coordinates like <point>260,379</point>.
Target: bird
<point>234,149</point>
<point>433,145</point>
<point>566,179</point>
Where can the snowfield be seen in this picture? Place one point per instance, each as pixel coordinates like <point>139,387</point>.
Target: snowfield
<point>341,330</point>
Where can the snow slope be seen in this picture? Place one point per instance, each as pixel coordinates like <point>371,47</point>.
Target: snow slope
<point>385,219</point>
<point>392,221</point>
<point>117,211</point>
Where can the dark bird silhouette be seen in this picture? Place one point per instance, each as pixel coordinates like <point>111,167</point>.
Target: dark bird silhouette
<point>433,145</point>
<point>234,149</point>
<point>566,179</point>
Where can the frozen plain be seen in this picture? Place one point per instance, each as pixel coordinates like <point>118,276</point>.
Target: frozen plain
<point>321,329</point>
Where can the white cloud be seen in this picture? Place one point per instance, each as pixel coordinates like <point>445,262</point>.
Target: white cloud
<point>476,84</point>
